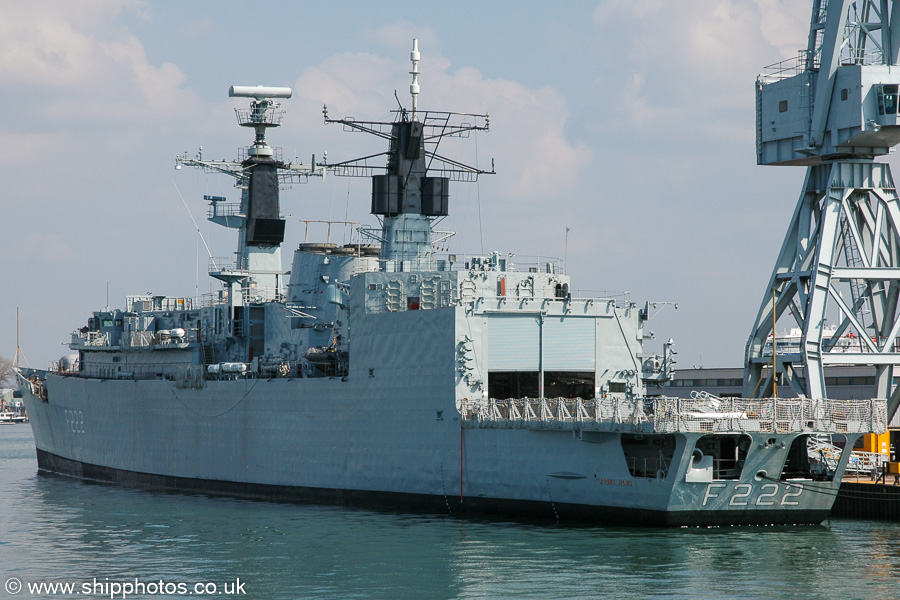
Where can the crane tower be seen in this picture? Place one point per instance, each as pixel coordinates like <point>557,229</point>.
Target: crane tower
<point>833,109</point>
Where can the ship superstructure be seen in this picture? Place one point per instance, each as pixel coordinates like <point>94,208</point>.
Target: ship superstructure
<point>383,372</point>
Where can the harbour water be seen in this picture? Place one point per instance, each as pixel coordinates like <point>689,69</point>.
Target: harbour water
<point>56,530</point>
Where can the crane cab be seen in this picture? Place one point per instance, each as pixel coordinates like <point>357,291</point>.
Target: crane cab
<point>887,103</point>
<point>862,117</point>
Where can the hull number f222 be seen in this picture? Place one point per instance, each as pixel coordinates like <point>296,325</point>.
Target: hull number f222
<point>744,494</point>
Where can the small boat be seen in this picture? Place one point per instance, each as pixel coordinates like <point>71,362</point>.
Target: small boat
<point>12,418</point>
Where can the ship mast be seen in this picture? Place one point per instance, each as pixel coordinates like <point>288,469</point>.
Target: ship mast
<point>411,191</point>
<point>256,270</point>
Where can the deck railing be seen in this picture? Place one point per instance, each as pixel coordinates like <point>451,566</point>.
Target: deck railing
<point>672,415</point>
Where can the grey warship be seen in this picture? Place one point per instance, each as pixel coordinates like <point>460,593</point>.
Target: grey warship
<point>382,373</point>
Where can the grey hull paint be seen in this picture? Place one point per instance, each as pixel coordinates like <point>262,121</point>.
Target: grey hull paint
<point>530,511</point>
<point>278,439</point>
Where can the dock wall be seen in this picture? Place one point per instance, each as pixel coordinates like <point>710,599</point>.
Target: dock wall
<point>874,501</point>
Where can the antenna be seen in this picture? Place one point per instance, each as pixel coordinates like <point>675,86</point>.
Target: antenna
<point>263,112</point>
<point>193,220</point>
<point>414,86</point>
<point>260,92</point>
<point>410,193</point>
<point>18,349</point>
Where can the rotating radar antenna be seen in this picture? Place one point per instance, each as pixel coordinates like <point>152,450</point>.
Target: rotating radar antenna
<point>834,110</point>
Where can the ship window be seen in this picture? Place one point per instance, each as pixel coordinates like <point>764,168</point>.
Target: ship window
<point>568,385</point>
<point>782,106</point>
<point>513,384</point>
<point>845,93</point>
<point>526,384</point>
<point>887,99</point>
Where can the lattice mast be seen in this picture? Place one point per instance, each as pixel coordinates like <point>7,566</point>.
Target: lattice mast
<point>833,109</point>
<point>411,192</point>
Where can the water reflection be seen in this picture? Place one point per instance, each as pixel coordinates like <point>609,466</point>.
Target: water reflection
<point>67,530</point>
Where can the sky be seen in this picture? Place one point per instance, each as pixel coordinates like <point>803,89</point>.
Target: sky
<point>630,122</point>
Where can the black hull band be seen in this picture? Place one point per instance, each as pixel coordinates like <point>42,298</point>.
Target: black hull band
<point>529,510</point>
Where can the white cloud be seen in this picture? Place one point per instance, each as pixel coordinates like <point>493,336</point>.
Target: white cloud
<point>51,43</point>
<point>159,87</point>
<point>686,71</point>
<point>783,24</point>
<point>527,125</point>
<point>76,65</point>
<point>355,84</point>
<point>718,36</point>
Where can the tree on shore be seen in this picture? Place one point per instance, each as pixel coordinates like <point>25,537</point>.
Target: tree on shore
<point>7,375</point>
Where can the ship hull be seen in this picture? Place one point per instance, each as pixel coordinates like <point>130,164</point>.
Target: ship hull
<point>536,511</point>
<point>322,441</point>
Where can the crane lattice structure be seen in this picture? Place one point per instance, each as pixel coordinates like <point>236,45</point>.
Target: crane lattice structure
<point>833,109</point>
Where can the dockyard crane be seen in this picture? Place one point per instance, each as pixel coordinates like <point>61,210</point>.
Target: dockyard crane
<point>833,109</point>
